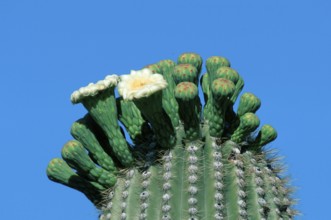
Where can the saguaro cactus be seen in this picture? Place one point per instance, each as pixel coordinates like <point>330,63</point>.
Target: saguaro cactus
<point>186,161</point>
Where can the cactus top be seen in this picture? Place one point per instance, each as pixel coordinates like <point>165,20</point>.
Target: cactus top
<point>186,160</point>
<point>141,83</point>
<point>93,89</point>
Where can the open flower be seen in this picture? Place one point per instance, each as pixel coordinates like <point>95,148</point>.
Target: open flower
<point>140,84</point>
<point>100,102</point>
<point>93,89</point>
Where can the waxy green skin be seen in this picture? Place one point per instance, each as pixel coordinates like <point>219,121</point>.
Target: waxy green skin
<point>186,161</point>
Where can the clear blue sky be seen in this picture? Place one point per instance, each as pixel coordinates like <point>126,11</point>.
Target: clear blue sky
<point>50,48</point>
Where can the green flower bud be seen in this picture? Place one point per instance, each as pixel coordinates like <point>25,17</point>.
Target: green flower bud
<point>76,156</point>
<point>248,103</point>
<point>266,135</point>
<point>155,68</point>
<point>166,66</point>
<point>214,63</point>
<point>83,131</point>
<point>227,73</point>
<point>249,122</point>
<point>59,171</point>
<point>185,73</point>
<point>186,91</point>
<point>222,88</point>
<point>191,58</point>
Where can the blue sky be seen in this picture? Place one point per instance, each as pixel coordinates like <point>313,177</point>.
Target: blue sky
<point>50,48</point>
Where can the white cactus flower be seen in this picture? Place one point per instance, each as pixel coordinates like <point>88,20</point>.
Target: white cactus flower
<point>139,84</point>
<point>93,89</point>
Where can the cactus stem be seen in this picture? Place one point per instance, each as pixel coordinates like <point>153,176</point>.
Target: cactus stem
<point>83,132</point>
<point>248,123</point>
<point>221,90</point>
<point>159,120</point>
<point>204,82</point>
<point>239,86</point>
<point>102,108</point>
<point>77,158</point>
<point>131,117</point>
<point>59,171</point>
<point>186,94</point>
<point>169,102</point>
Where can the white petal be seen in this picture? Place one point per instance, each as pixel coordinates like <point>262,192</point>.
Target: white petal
<point>93,89</point>
<point>140,84</point>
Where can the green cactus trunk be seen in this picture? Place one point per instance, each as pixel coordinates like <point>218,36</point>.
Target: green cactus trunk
<point>187,163</point>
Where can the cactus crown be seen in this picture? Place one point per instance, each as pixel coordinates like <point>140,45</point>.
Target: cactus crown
<point>188,161</point>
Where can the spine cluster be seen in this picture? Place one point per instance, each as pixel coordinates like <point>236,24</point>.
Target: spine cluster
<point>167,167</point>
<point>219,181</point>
<point>193,176</point>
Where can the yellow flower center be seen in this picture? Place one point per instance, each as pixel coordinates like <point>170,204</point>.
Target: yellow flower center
<point>137,84</point>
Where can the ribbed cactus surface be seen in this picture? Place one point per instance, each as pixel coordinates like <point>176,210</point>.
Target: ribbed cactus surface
<point>186,161</point>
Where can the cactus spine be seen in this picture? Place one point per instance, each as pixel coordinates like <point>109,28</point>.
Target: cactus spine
<point>188,162</point>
